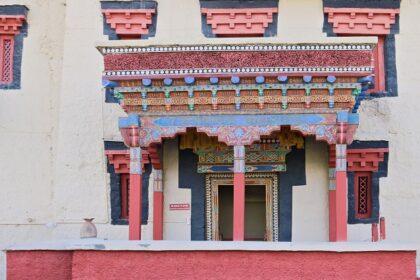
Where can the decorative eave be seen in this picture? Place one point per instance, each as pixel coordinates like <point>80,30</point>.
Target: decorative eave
<point>362,159</point>
<point>361,21</point>
<point>129,23</point>
<point>11,24</point>
<point>365,159</point>
<point>240,21</point>
<point>125,63</point>
<point>120,159</point>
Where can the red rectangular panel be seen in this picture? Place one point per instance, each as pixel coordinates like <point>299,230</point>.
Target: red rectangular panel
<point>179,206</point>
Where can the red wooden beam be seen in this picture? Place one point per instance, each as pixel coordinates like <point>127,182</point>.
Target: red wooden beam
<point>154,157</point>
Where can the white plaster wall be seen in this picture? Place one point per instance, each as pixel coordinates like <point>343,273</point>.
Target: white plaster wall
<point>177,223</point>
<point>28,124</point>
<point>396,120</point>
<point>310,202</point>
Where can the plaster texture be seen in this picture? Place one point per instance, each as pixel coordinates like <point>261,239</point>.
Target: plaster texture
<point>52,129</point>
<point>310,202</point>
<point>96,259</point>
<point>177,223</point>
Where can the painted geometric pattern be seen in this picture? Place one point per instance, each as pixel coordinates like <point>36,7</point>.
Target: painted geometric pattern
<point>322,132</point>
<point>270,96</point>
<point>238,135</point>
<point>203,168</point>
<point>154,135</point>
<point>219,60</point>
<point>363,195</point>
<point>268,153</point>
<point>7,62</point>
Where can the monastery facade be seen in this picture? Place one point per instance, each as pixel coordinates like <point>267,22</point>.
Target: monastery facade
<point>207,120</point>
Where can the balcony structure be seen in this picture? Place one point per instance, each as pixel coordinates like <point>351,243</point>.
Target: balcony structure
<point>241,109</point>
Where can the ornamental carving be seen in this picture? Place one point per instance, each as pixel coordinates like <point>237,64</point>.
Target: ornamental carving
<point>238,135</point>
<point>11,24</point>
<point>364,21</point>
<point>129,23</point>
<point>240,21</point>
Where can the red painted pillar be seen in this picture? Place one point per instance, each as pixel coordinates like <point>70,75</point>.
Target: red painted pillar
<point>239,193</point>
<point>134,219</point>
<point>375,236</point>
<point>379,57</point>
<point>382,226</point>
<point>331,196</point>
<point>158,206</point>
<point>341,193</point>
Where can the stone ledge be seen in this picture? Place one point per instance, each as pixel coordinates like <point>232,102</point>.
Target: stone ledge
<point>125,245</point>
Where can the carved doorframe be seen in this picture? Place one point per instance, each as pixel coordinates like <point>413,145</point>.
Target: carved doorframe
<point>214,180</point>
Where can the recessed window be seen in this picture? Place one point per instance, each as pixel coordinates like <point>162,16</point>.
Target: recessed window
<point>124,192</point>
<point>13,29</point>
<point>363,193</point>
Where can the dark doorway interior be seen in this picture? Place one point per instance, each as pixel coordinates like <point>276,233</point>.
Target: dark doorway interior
<point>255,212</point>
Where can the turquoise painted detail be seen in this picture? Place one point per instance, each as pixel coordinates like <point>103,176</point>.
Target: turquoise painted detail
<point>118,95</point>
<point>281,87</point>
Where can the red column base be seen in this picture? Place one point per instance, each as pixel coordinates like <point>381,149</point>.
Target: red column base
<point>341,206</point>
<point>157,215</point>
<point>238,206</point>
<point>332,216</point>
<point>134,219</point>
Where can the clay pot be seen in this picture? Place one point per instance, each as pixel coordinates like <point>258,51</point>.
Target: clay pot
<point>88,229</point>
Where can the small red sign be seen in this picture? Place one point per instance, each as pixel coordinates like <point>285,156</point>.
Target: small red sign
<point>179,206</point>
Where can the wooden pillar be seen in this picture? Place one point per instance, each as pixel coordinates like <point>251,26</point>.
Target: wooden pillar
<point>158,206</point>
<point>134,220</point>
<point>331,195</point>
<point>341,193</point>
<point>341,178</point>
<point>239,193</point>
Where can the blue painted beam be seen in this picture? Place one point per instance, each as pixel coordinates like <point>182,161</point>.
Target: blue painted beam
<point>238,120</point>
<point>109,84</point>
<point>130,121</point>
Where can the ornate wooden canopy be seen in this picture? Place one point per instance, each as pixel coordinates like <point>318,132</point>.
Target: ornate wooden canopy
<point>238,92</point>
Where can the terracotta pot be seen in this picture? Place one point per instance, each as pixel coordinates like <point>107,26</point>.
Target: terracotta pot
<point>88,229</point>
